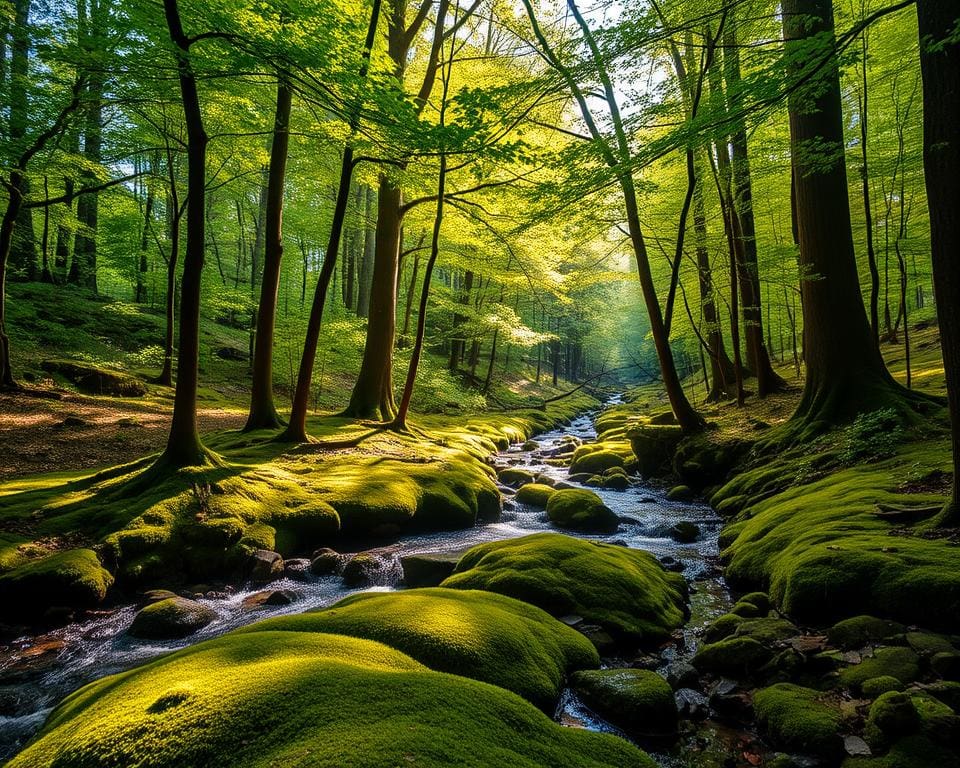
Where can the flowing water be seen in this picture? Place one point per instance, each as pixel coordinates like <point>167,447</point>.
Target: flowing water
<point>36,673</point>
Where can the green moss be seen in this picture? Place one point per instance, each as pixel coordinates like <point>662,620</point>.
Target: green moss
<point>625,591</point>
<point>874,686</point>
<point>580,510</point>
<point>733,656</point>
<point>516,477</point>
<point>721,627</point>
<point>910,752</point>
<point>796,719</point>
<point>74,578</point>
<point>535,494</point>
<point>858,631</point>
<point>680,493</point>
<point>900,663</point>
<point>171,618</point>
<point>892,716</point>
<point>929,644</point>
<point>588,458</point>
<point>476,634</point>
<point>766,630</point>
<point>265,698</point>
<point>638,700</point>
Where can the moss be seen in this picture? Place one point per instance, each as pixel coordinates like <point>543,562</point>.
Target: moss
<point>625,591</point>
<point>265,698</point>
<point>892,716</point>
<point>171,618</point>
<point>858,631</point>
<point>515,477</point>
<point>929,643</point>
<point>637,700</point>
<point>937,720</point>
<point>74,578</point>
<point>654,446</point>
<point>874,686</point>
<point>426,570</point>
<point>303,527</point>
<point>910,752</point>
<point>766,630</point>
<point>721,627</point>
<point>900,663</point>
<point>759,599</point>
<point>535,494</point>
<point>588,459</point>
<point>733,656</point>
<point>616,482</point>
<point>476,634</point>
<point>796,719</point>
<point>581,510</point>
<point>680,493</point>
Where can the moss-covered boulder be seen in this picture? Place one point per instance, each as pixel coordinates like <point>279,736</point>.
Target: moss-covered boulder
<point>858,631</point>
<point>616,482</point>
<point>170,619</point>
<point>516,477</point>
<point>74,579</point>
<point>680,493</point>
<point>94,380</point>
<point>637,700</point>
<point>429,569</point>
<point>900,663</point>
<point>263,698</point>
<point>915,751</point>
<point>796,719</point>
<point>721,627</point>
<point>654,446</point>
<point>472,633</point>
<point>875,686</point>
<point>892,716</point>
<point>588,458</point>
<point>535,494</point>
<point>581,510</point>
<point>625,591</point>
<point>737,657</point>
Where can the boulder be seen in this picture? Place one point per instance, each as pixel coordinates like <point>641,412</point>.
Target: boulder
<point>171,619</point>
<point>654,446</point>
<point>637,700</point>
<point>514,477</point>
<point>581,510</point>
<point>429,569</point>
<point>680,493</point>
<point>535,494</point>
<point>326,562</point>
<point>96,381</point>
<point>270,597</point>
<point>797,719</point>
<point>265,566</point>
<point>685,532</point>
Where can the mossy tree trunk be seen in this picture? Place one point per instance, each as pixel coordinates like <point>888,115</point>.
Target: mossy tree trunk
<point>22,258</point>
<point>263,413</point>
<point>940,68</point>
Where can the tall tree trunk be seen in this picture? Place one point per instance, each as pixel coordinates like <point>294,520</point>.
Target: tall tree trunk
<point>183,444</point>
<point>366,266</point>
<point>458,342</point>
<point>263,413</point>
<point>863,104</point>
<point>845,373</point>
<point>23,247</point>
<point>296,430</point>
<point>940,67</point>
<point>140,292</point>
<point>748,269</point>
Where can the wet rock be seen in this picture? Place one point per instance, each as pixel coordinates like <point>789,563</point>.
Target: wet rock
<point>647,661</point>
<point>892,716</point>
<point>616,482</point>
<point>428,570</point>
<point>685,532</point>
<point>854,746</point>
<point>265,566</point>
<point>947,665</point>
<point>680,493</point>
<point>325,562</point>
<point>691,704</point>
<point>297,569</point>
<point>672,564</point>
<point>156,595</point>
<point>58,616</point>
<point>514,477</point>
<point>372,567</point>
<point>269,597</point>
<point>682,674</point>
<point>597,635</point>
<point>729,701</point>
<point>635,699</point>
<point>858,631</point>
<point>171,619</point>
<point>530,445</point>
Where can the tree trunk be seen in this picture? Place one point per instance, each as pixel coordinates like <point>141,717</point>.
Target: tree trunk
<point>845,374</point>
<point>366,266</point>
<point>863,104</point>
<point>940,67</point>
<point>140,292</point>
<point>263,413</point>
<point>23,247</point>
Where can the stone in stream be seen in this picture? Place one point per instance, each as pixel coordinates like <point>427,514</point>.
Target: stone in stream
<point>171,619</point>
<point>637,700</point>
<point>375,567</point>
<point>680,493</point>
<point>682,674</point>
<point>691,704</point>
<point>514,477</point>
<point>326,562</point>
<point>730,702</point>
<point>685,532</point>
<point>265,566</point>
<point>269,597</point>
<point>581,510</point>
<point>297,569</point>
<point>428,569</point>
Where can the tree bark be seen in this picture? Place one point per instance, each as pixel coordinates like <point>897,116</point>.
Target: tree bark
<point>366,266</point>
<point>846,375</point>
<point>23,247</point>
<point>940,69</point>
<point>263,413</point>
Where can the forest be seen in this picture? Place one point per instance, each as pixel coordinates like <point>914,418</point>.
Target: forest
<point>480,383</point>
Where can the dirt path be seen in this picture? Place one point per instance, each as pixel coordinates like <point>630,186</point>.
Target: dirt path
<point>63,431</point>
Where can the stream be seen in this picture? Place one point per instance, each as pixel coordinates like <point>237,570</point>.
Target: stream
<point>37,672</point>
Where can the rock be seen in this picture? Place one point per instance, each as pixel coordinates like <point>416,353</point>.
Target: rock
<point>875,686</point>
<point>542,479</point>
<point>680,493</point>
<point>171,619</point>
<point>901,663</point>
<point>685,532</point>
<point>514,477</point>
<point>375,566</point>
<point>602,640</point>
<point>654,446</point>
<point>891,717</point>
<point>721,627</point>
<point>947,665</point>
<point>616,482</point>
<point>796,719</point>
<point>637,700</point>
<point>269,597</point>
<point>73,579</point>
<point>297,569</point>
<point>682,674</point>
<point>594,460</point>
<point>730,702</point>
<point>156,595</point>
<point>691,704</point>
<point>231,353</point>
<point>535,494</point>
<point>530,445</point>
<point>265,566</point>
<point>581,510</point>
<point>326,562</point>
<point>854,746</point>
<point>858,631</point>
<point>72,421</point>
<point>96,381</point>
<point>737,657</point>
<point>428,570</point>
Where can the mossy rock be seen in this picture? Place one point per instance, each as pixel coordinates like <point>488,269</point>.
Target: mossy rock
<point>721,627</point>
<point>795,719</point>
<point>680,493</point>
<point>738,657</point>
<point>766,630</point>
<point>637,700</point>
<point>911,752</point>
<point>472,633</point>
<point>616,482</point>
<point>516,477</point>
<point>171,619</point>
<point>265,698</point>
<point>759,599</point>
<point>937,720</point>
<point>596,462</point>
<point>685,532</point>
<point>625,591</point>
<point>858,631</point>
<point>428,570</point>
<point>900,663</point>
<point>535,494</point>
<point>305,527</point>
<point>892,716</point>
<point>94,380</point>
<point>74,579</point>
<point>929,643</point>
<point>654,446</point>
<point>581,510</point>
<point>875,686</point>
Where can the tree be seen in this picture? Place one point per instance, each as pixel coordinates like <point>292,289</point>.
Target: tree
<point>846,375</point>
<point>940,68</point>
